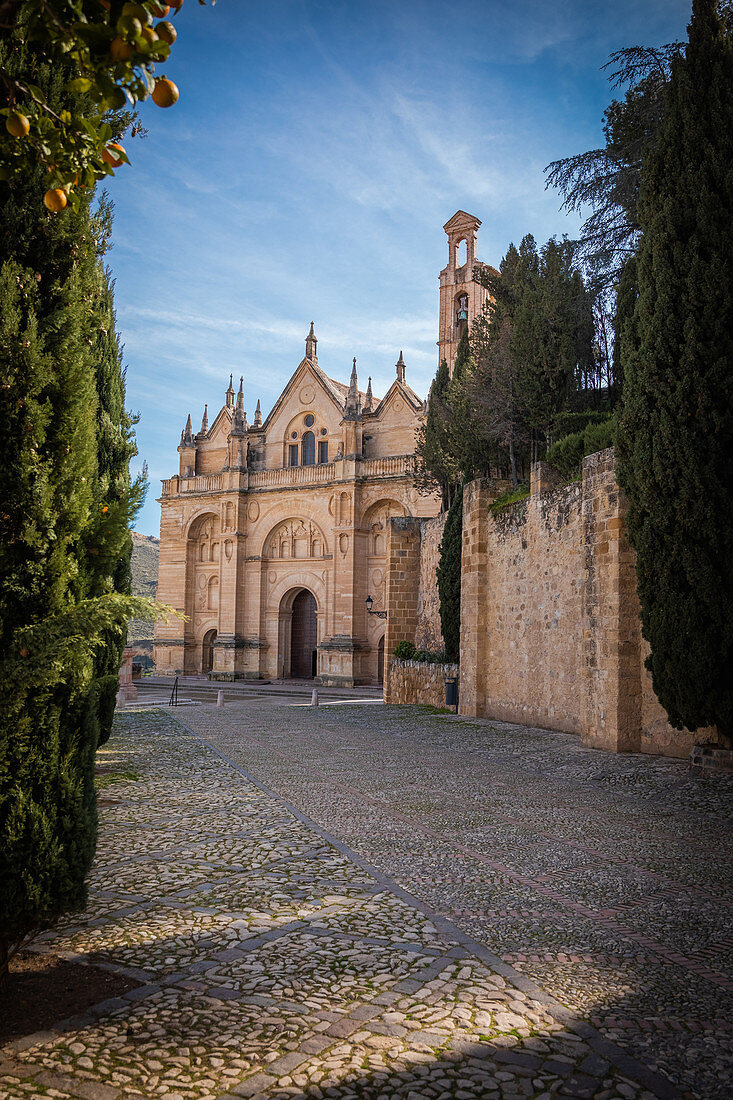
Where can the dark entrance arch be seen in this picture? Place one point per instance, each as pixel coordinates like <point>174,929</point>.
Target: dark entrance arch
<point>207,651</point>
<point>303,636</point>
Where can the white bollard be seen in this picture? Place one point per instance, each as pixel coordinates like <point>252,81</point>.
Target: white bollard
<point>220,699</point>
<point>314,698</point>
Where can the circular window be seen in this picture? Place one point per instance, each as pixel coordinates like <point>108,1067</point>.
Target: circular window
<point>293,435</point>
<point>309,420</point>
<point>324,431</point>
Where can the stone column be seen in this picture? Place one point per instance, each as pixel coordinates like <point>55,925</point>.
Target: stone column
<point>127,692</point>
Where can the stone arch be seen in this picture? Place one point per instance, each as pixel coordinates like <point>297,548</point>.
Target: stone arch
<point>375,523</point>
<point>298,627</point>
<point>294,537</point>
<point>203,541</point>
<point>197,522</point>
<point>207,650</point>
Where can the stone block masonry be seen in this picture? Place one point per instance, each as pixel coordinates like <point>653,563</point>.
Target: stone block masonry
<point>550,627</point>
<point>419,682</point>
<point>550,622</point>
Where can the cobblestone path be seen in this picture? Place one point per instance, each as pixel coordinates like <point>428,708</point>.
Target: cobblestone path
<point>276,962</point>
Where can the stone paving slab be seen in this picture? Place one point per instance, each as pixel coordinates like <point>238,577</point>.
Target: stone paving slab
<point>605,879</point>
<point>276,963</point>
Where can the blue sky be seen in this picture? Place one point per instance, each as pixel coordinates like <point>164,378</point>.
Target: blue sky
<point>306,173</point>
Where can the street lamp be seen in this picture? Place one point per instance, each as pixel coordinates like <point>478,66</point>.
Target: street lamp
<point>370,604</point>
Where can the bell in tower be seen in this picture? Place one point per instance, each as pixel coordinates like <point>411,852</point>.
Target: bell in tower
<point>461,299</point>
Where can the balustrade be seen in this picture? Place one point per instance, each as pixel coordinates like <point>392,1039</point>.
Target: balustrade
<point>295,476</point>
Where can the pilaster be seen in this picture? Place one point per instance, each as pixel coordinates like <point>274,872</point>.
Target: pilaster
<point>403,588</point>
<point>611,636</point>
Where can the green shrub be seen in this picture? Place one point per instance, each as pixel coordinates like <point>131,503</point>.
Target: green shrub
<point>568,423</point>
<point>567,454</point>
<point>405,651</point>
<point>430,657</point>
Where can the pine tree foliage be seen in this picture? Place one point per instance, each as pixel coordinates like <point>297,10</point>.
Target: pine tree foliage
<point>65,503</point>
<point>552,337</point>
<point>449,578</point>
<point>436,469</point>
<point>607,180</point>
<point>677,424</point>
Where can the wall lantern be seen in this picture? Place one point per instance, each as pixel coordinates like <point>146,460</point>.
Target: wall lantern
<point>370,604</point>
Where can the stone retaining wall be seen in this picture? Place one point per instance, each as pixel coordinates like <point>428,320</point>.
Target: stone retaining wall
<point>550,624</point>
<point>418,682</point>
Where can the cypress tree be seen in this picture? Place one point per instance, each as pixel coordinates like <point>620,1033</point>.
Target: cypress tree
<point>552,337</point>
<point>449,578</point>
<point>623,323</point>
<point>676,445</point>
<point>64,502</point>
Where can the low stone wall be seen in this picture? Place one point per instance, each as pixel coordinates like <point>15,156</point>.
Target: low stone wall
<point>418,682</point>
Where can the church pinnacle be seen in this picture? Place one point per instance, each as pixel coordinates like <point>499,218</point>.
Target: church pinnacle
<point>352,397</point>
<point>311,345</point>
<point>205,421</point>
<point>258,415</point>
<point>230,394</point>
<point>240,417</point>
<point>400,368</point>
<point>369,401</point>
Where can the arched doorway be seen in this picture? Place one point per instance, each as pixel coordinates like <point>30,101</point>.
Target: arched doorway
<point>380,661</point>
<point>207,651</point>
<point>301,664</point>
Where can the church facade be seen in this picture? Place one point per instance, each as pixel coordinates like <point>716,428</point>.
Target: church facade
<point>273,534</point>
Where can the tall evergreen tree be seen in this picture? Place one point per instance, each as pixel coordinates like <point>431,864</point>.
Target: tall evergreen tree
<point>436,469</point>
<point>677,424</point>
<point>65,499</point>
<point>498,413</point>
<point>449,578</point>
<point>552,338</point>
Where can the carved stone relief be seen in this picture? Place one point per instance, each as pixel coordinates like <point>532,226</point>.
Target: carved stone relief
<point>296,538</point>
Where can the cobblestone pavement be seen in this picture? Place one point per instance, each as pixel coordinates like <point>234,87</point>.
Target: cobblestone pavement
<point>277,960</point>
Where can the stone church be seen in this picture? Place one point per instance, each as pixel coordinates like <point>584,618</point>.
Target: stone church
<point>273,533</point>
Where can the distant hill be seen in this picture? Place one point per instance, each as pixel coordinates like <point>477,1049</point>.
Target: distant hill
<point>144,565</point>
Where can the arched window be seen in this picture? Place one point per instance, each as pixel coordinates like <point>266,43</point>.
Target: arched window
<point>461,252</point>
<point>308,449</point>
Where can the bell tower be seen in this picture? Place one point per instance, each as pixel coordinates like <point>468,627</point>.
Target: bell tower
<point>461,299</point>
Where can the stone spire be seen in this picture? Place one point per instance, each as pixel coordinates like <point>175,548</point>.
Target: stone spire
<point>400,369</point>
<point>369,399</point>
<point>258,415</point>
<point>311,346</point>
<point>240,417</point>
<point>230,394</point>
<point>205,421</point>
<point>187,437</point>
<point>352,397</point>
